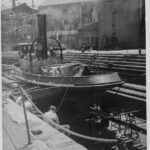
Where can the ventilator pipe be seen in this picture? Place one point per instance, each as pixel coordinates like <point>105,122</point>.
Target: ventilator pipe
<point>61,54</point>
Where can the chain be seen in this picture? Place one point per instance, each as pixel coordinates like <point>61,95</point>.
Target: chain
<point>103,140</point>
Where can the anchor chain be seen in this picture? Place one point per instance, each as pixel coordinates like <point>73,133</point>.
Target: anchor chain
<point>103,140</point>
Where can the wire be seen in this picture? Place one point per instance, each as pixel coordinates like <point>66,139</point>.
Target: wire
<point>63,97</point>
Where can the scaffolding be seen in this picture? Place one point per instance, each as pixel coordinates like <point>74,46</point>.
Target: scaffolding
<point>126,124</point>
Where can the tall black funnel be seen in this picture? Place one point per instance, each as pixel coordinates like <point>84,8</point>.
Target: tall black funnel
<point>41,36</point>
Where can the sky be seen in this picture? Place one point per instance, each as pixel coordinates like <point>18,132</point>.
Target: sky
<point>8,3</point>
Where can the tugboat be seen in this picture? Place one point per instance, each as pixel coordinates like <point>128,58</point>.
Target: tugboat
<point>34,67</point>
<point>71,75</point>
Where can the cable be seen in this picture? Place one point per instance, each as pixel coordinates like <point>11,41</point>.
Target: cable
<point>63,97</point>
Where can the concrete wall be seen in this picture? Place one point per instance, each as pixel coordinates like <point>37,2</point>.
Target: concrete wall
<point>118,24</point>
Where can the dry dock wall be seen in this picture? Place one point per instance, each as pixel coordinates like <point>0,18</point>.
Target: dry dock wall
<point>119,23</point>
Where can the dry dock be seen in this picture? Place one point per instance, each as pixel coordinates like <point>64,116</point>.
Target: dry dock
<point>129,96</point>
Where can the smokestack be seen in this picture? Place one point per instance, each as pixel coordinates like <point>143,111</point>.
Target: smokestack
<point>13,4</point>
<point>41,37</point>
<point>32,4</point>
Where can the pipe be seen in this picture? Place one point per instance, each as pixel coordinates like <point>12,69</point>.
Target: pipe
<point>26,121</point>
<point>61,54</point>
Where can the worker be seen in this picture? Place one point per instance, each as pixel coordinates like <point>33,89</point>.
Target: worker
<point>27,104</point>
<point>94,107</point>
<point>52,116</point>
<point>19,100</point>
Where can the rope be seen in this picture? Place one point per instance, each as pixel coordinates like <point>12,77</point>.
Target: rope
<point>57,126</point>
<point>63,97</point>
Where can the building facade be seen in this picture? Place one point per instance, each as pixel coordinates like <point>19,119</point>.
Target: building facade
<point>65,18</point>
<point>17,24</point>
<point>105,24</point>
<point>88,35</point>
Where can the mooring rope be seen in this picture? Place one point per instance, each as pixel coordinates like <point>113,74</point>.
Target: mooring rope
<point>63,97</point>
<point>103,140</point>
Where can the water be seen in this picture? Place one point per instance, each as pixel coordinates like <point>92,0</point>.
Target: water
<point>74,109</point>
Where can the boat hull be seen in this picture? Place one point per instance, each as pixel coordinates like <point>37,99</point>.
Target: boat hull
<point>103,81</point>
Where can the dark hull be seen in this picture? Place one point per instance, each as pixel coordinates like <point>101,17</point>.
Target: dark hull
<point>91,82</point>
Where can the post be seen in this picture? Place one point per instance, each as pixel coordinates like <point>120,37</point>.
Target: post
<point>140,16</point>
<point>26,121</point>
<point>42,38</point>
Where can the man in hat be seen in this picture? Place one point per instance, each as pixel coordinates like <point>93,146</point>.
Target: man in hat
<point>51,115</point>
